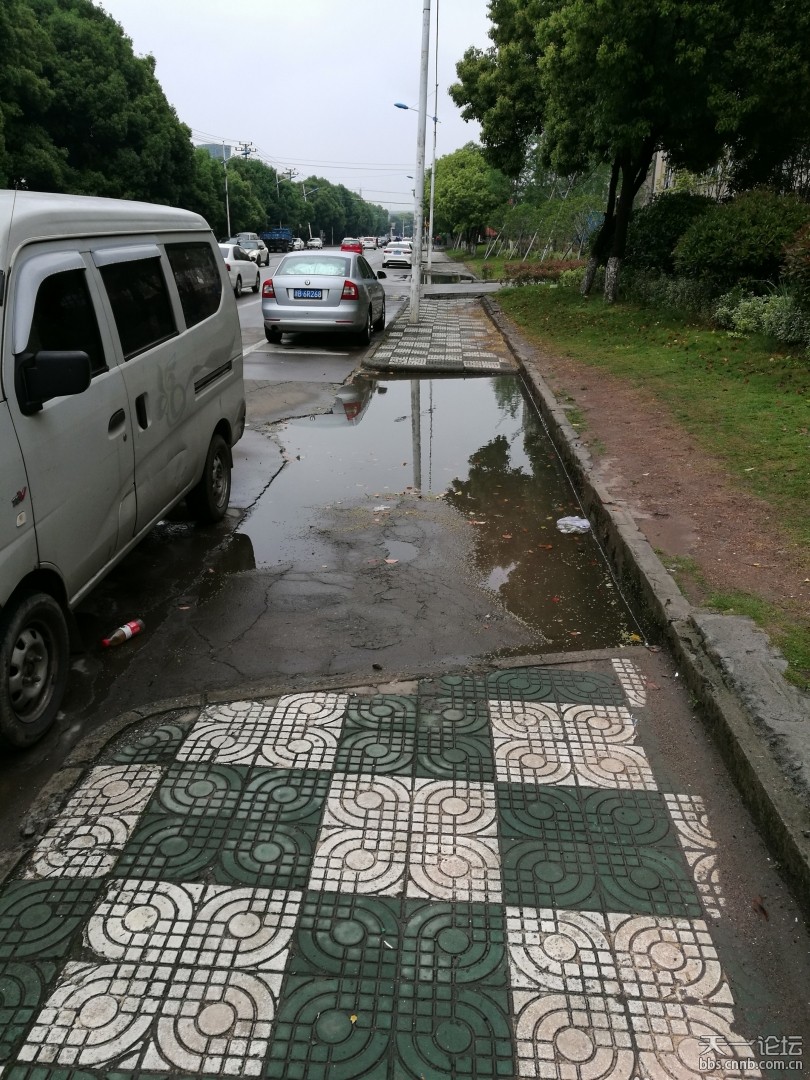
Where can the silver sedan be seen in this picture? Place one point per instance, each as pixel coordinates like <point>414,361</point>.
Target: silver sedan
<point>323,292</point>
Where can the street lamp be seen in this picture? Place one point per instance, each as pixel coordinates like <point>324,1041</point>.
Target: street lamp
<point>304,192</point>
<point>436,120</point>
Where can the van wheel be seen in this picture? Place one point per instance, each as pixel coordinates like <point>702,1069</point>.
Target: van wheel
<point>34,658</point>
<point>237,289</point>
<point>379,324</point>
<point>208,501</point>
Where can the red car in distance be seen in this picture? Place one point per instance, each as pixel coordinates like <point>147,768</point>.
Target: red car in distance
<point>351,243</point>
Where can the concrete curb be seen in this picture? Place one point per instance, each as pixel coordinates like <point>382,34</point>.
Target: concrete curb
<point>726,662</point>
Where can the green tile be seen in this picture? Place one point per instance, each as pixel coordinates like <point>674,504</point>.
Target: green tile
<point>172,848</point>
<point>443,752</point>
<point>628,818</point>
<point>206,788</point>
<point>45,1072</point>
<point>456,1033</point>
<point>267,854</point>
<point>469,716</point>
<point>570,687</point>
<point>398,710</point>
<point>458,943</point>
<point>24,987</point>
<point>40,919</point>
<point>332,1029</point>
<point>387,749</point>
<point>553,874</point>
<point>646,880</point>
<point>154,747</point>
<point>535,811</point>
<point>348,935</point>
<point>289,796</point>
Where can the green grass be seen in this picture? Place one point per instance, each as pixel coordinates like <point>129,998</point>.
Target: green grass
<point>744,401</point>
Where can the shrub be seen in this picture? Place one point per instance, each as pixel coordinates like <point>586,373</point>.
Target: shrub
<point>776,315</point>
<point>659,290</point>
<point>572,279</point>
<point>741,239</point>
<point>531,273</point>
<point>656,228</point>
<point>797,264</point>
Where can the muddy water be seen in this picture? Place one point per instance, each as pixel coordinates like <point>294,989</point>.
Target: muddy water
<point>478,444</point>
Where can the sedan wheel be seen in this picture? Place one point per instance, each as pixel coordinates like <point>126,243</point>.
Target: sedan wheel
<point>258,284</point>
<point>379,323</point>
<point>237,289</point>
<point>364,337</point>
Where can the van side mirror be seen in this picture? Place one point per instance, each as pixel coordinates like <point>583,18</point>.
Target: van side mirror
<point>50,373</point>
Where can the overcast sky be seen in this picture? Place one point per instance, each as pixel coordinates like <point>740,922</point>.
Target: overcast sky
<point>311,83</point>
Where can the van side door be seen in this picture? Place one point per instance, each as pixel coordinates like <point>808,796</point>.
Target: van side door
<point>77,448</point>
<point>174,357</point>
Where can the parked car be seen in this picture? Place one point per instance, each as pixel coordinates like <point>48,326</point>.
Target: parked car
<point>397,253</point>
<point>256,251</point>
<point>331,292</point>
<point>369,242</point>
<point>315,242</point>
<point>383,240</point>
<point>298,244</point>
<point>242,270</point>
<point>351,243</point>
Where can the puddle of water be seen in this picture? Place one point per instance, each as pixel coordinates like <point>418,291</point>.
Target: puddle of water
<point>479,443</point>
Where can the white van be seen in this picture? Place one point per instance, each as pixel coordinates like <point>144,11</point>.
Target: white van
<point>121,393</point>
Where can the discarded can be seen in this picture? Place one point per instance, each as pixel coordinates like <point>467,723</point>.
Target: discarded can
<point>124,633</point>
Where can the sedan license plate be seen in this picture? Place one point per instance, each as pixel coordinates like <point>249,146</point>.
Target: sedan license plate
<point>307,294</point>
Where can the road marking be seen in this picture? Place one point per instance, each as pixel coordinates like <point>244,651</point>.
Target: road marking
<point>282,351</point>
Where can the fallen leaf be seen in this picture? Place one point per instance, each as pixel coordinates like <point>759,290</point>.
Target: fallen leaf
<point>653,648</point>
<point>184,607</point>
<point>391,562</point>
<point>652,686</point>
<point>353,1018</point>
<point>506,536</point>
<point>555,599</point>
<point>546,547</point>
<point>635,637</point>
<point>759,907</point>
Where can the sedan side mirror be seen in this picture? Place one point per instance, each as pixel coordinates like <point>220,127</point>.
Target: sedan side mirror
<point>381,274</point>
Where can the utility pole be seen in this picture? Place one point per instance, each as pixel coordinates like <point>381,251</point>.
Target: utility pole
<point>419,186</point>
<point>227,200</point>
<point>246,149</point>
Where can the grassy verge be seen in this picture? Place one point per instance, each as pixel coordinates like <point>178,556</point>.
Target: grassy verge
<point>745,402</point>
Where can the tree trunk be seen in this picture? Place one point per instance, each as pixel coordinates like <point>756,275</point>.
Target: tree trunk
<point>614,266</point>
<point>590,274</point>
<point>634,172</point>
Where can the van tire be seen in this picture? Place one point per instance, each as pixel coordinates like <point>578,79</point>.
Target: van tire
<point>34,659</point>
<point>209,500</point>
<point>237,289</point>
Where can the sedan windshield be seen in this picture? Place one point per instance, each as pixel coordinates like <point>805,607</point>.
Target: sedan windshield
<point>314,265</point>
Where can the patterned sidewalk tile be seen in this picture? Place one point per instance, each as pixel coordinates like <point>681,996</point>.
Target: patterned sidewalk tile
<point>479,880</point>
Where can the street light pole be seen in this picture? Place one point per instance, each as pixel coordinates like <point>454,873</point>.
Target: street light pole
<point>227,200</point>
<point>418,217</point>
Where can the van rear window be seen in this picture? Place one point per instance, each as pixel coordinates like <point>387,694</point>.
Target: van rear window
<point>198,280</point>
<point>140,303</point>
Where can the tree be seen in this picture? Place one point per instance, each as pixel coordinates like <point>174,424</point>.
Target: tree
<point>467,192</point>
<point>81,113</point>
<point>596,80</point>
<point>616,80</point>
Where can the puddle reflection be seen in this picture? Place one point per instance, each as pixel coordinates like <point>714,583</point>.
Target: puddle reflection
<point>478,443</point>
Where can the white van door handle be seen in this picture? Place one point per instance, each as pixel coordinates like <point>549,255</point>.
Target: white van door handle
<point>117,422</point>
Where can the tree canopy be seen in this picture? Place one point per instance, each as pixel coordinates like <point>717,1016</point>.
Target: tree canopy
<point>585,81</point>
<point>81,113</point>
<point>466,192</point>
